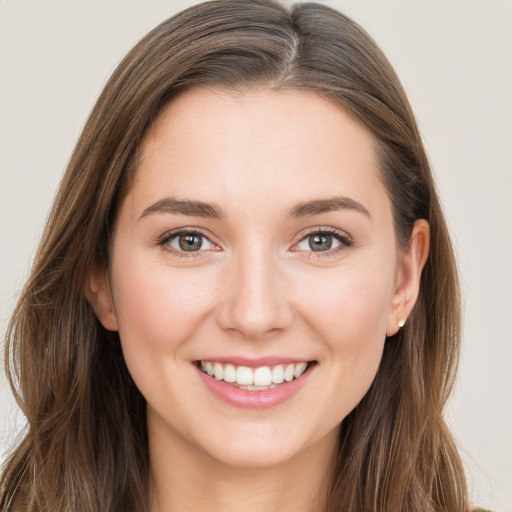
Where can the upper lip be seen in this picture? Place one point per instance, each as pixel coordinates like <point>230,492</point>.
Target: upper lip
<point>255,362</point>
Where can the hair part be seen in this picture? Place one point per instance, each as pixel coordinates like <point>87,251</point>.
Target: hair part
<point>86,445</point>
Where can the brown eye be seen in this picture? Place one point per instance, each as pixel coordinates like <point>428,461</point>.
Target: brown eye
<point>324,242</point>
<point>320,242</point>
<point>190,242</point>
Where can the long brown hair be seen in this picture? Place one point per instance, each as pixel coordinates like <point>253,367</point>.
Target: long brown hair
<point>86,446</point>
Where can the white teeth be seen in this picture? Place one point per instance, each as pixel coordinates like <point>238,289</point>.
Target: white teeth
<point>288,373</point>
<point>262,376</point>
<point>244,376</point>
<point>258,388</point>
<point>278,374</point>
<point>299,370</point>
<point>229,373</point>
<point>254,379</point>
<point>219,371</point>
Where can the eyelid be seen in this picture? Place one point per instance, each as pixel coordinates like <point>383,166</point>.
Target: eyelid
<point>163,240</point>
<point>343,237</point>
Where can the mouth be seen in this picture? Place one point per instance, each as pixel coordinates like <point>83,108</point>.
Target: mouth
<point>262,378</point>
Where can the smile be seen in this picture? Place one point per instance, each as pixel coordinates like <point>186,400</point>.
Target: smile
<point>253,379</point>
<point>253,385</point>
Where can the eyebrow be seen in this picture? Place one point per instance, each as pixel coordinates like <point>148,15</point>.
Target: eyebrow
<point>185,207</point>
<point>208,210</point>
<point>332,204</point>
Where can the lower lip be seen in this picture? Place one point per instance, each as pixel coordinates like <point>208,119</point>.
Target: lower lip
<point>254,399</point>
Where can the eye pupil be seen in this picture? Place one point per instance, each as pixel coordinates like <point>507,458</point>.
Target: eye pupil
<point>190,242</point>
<point>320,242</point>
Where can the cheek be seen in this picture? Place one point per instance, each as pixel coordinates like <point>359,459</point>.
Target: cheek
<point>159,310</point>
<point>158,307</point>
<point>347,311</point>
<point>348,308</point>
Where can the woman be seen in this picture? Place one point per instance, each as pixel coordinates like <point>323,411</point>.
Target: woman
<point>245,295</point>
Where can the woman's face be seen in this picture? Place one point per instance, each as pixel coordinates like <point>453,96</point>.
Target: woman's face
<point>257,240</point>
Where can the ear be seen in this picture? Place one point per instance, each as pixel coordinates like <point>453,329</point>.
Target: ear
<point>412,260</point>
<point>99,294</point>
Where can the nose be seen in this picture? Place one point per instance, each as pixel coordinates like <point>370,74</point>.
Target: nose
<point>255,302</point>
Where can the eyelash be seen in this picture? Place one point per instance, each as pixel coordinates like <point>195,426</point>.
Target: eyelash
<point>344,239</point>
<point>345,242</point>
<point>167,237</point>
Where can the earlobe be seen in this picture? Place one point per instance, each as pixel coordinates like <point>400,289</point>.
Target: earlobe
<point>99,295</point>
<point>412,260</point>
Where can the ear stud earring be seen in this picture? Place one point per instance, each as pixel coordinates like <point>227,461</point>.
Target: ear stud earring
<point>401,323</point>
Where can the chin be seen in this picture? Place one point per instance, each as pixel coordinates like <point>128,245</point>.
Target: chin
<point>254,455</point>
<point>258,445</point>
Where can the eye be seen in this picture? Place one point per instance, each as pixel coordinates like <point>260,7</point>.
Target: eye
<point>324,241</point>
<point>187,241</point>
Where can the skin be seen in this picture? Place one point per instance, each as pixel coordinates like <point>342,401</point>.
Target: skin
<point>254,289</point>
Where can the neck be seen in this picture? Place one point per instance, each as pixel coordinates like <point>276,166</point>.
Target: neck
<point>186,479</point>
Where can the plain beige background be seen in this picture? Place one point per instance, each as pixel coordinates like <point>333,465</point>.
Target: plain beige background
<point>455,60</point>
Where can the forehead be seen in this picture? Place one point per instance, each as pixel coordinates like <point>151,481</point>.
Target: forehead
<point>221,146</point>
